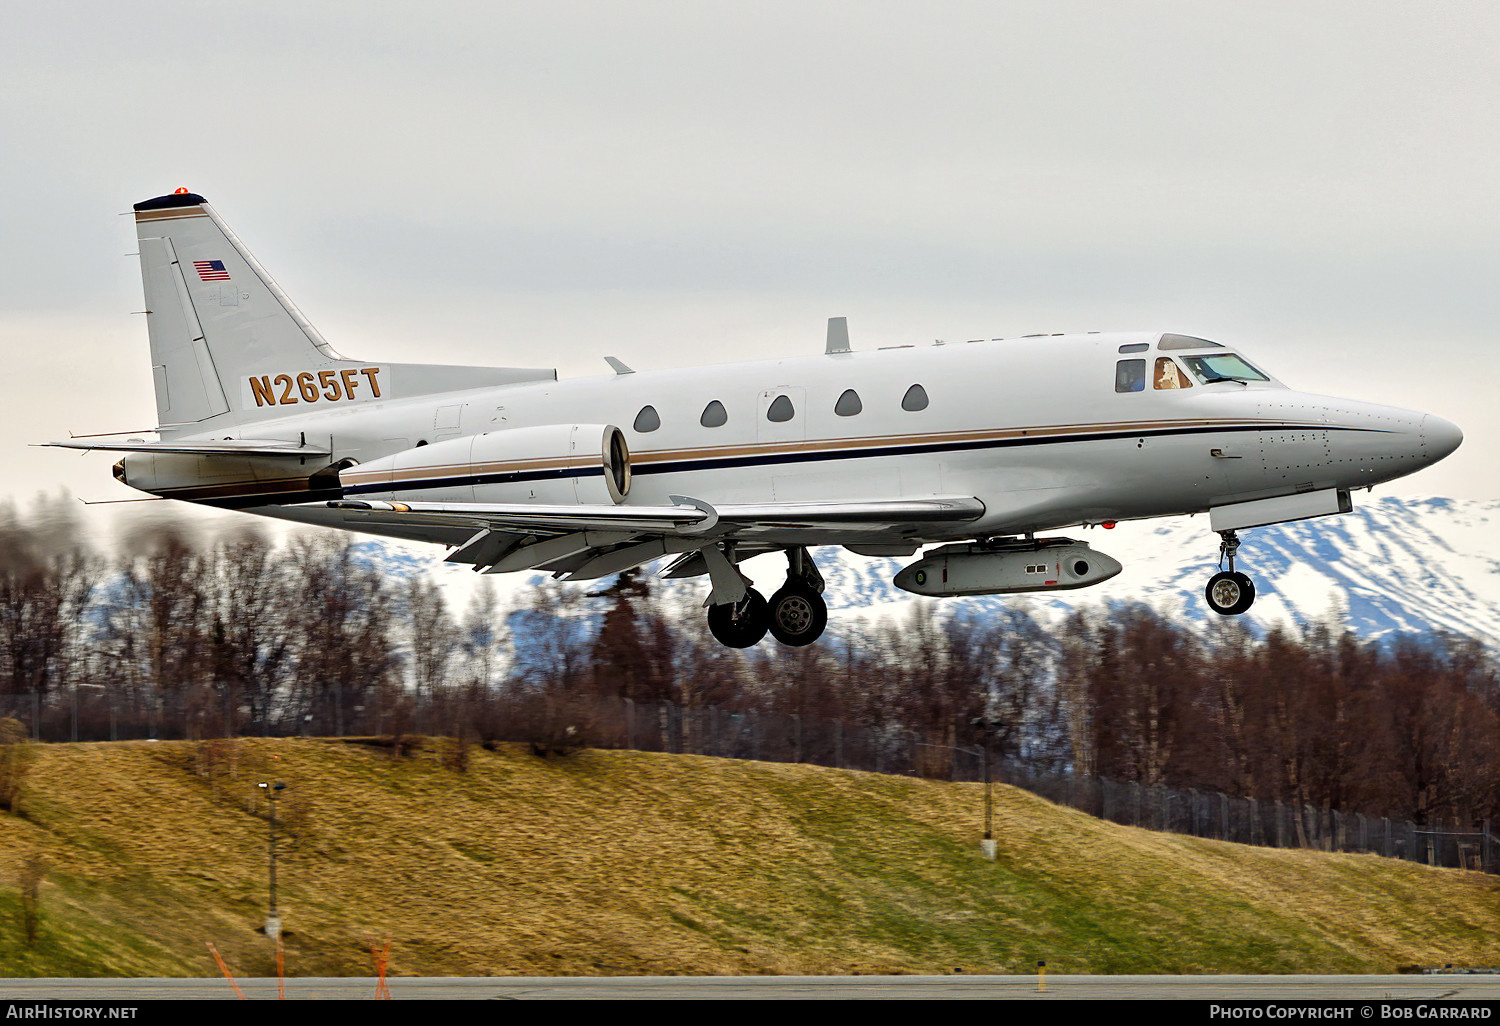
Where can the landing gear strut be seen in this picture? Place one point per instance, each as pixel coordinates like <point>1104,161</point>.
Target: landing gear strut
<point>1229,592</point>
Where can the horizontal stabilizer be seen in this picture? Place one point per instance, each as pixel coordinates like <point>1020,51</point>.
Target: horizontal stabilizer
<point>215,447</point>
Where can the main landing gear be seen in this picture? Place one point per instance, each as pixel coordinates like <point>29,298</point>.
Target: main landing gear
<point>798,612</point>
<point>1229,592</point>
<point>740,624</point>
<point>795,615</point>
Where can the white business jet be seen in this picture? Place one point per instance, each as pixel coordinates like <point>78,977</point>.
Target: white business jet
<point>975,448</point>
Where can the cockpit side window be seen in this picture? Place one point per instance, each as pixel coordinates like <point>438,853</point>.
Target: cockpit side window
<point>1169,375</point>
<point>1130,376</point>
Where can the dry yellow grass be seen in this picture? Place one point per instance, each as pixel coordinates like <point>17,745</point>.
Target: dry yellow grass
<point>605,863</point>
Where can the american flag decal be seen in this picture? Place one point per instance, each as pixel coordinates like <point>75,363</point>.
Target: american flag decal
<point>211,270</point>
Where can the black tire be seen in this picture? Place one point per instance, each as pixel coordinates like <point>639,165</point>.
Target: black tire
<point>798,615</point>
<point>742,624</point>
<point>1229,594</point>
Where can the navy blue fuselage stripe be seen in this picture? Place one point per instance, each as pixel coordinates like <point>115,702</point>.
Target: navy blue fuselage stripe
<point>821,455</point>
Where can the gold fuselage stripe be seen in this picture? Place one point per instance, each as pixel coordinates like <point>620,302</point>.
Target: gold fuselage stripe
<point>1060,432</point>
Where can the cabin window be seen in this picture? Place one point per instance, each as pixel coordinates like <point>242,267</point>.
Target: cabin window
<point>1135,347</point>
<point>714,415</point>
<point>915,399</point>
<point>1130,376</point>
<point>1168,375</point>
<point>781,410</point>
<point>848,404</point>
<point>647,420</point>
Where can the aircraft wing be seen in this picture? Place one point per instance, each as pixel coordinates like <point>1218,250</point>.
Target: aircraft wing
<point>587,541</point>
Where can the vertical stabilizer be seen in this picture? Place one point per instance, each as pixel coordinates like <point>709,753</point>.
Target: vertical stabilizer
<point>214,315</point>
<point>228,346</point>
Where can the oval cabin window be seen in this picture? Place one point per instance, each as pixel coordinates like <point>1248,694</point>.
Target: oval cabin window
<point>714,415</point>
<point>647,420</point>
<point>848,404</point>
<point>915,399</point>
<point>781,410</point>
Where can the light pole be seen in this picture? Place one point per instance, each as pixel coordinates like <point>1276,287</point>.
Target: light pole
<point>987,731</point>
<point>273,921</point>
<point>988,844</point>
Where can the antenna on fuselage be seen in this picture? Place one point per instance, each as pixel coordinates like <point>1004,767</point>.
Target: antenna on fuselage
<point>838,336</point>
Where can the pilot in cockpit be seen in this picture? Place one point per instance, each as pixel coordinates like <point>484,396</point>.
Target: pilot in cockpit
<point>1168,375</point>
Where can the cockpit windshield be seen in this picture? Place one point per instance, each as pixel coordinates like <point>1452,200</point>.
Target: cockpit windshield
<point>1222,367</point>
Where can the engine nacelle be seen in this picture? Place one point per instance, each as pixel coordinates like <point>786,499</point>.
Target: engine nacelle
<point>225,480</point>
<point>1056,564</point>
<point>555,464</point>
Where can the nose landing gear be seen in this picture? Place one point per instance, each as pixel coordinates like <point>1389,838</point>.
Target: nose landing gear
<point>1229,592</point>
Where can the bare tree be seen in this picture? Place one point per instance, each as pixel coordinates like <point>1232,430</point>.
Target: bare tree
<point>340,631</point>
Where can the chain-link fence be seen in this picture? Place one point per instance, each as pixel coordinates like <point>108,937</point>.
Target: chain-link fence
<point>1268,824</point>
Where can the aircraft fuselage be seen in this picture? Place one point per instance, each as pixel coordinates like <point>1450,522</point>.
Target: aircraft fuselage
<point>1032,427</point>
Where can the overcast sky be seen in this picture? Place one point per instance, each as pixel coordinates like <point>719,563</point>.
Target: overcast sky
<point>550,183</point>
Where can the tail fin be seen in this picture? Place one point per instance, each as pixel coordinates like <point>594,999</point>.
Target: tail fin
<point>229,347</point>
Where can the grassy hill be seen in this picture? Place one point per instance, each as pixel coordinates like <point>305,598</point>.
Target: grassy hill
<point>605,863</point>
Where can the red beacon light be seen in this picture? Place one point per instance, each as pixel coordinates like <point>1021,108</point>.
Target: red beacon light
<point>181,190</point>
<point>1108,525</point>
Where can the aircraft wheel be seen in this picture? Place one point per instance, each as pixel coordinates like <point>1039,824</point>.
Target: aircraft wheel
<point>798,615</point>
<point>1229,594</point>
<point>742,624</point>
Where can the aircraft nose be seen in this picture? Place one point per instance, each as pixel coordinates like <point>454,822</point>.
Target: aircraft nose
<point>1439,437</point>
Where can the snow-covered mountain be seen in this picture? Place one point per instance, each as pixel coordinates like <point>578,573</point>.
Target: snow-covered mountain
<point>1393,565</point>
